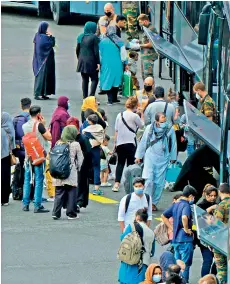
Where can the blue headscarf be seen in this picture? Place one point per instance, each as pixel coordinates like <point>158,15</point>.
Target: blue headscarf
<point>43,44</point>
<point>7,135</point>
<point>89,29</point>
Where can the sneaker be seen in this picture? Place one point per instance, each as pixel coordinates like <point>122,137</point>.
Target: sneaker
<point>51,199</point>
<point>78,210</point>
<point>109,104</point>
<point>115,189</point>
<point>117,101</point>
<point>26,208</point>
<point>55,217</point>
<point>5,204</point>
<point>73,217</point>
<point>98,192</point>
<point>107,184</point>
<point>41,210</point>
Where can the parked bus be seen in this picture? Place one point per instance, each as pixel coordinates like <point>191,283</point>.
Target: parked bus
<point>61,10</point>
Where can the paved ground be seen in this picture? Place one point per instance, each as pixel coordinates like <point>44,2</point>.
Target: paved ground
<point>36,249</point>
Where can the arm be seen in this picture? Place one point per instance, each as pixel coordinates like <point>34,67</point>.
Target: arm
<point>185,225</point>
<point>126,232</point>
<point>121,214</point>
<point>174,145</point>
<point>78,48</point>
<point>79,155</point>
<point>167,223</point>
<point>211,208</point>
<point>139,121</point>
<point>141,148</point>
<point>166,215</point>
<point>147,116</point>
<point>150,214</point>
<point>44,132</point>
<point>96,50</point>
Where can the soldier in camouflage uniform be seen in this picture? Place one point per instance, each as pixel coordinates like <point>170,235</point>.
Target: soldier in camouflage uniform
<point>148,53</point>
<point>130,10</point>
<point>222,213</point>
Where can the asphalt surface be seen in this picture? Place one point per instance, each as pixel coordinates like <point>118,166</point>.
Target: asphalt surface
<point>36,249</point>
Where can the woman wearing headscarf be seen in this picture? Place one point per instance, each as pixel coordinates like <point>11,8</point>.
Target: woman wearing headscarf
<point>111,64</point>
<point>66,189</point>
<point>89,107</point>
<point>83,176</point>
<point>44,63</point>
<point>158,148</point>
<point>153,274</point>
<point>59,118</point>
<point>8,144</point>
<point>87,52</point>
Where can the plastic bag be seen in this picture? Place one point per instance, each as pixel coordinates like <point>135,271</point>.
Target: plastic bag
<point>124,54</point>
<point>173,171</point>
<point>127,88</point>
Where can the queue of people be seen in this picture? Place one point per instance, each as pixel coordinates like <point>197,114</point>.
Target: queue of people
<point>85,146</point>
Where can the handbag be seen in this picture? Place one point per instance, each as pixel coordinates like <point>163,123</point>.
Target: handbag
<point>113,159</point>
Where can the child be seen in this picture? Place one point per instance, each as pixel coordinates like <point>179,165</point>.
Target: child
<point>104,162</point>
<point>132,63</point>
<point>173,98</point>
<point>191,146</point>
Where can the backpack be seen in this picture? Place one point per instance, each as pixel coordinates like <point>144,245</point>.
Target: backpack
<point>161,234</point>
<point>33,147</point>
<point>18,122</point>
<point>130,174</point>
<point>132,246</point>
<point>60,162</point>
<point>128,198</point>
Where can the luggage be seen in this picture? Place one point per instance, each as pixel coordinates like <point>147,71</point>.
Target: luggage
<point>18,122</point>
<point>173,171</point>
<point>16,188</point>
<point>131,172</point>
<point>132,246</point>
<point>60,163</point>
<point>161,234</point>
<point>127,88</point>
<point>33,147</point>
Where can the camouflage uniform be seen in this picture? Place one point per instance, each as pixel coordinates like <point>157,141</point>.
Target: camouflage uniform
<point>208,107</point>
<point>148,56</point>
<point>222,213</point>
<point>131,11</point>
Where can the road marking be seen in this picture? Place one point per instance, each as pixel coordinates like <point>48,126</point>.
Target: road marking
<point>158,219</point>
<point>102,199</point>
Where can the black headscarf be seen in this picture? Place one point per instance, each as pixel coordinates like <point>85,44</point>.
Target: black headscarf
<point>43,44</point>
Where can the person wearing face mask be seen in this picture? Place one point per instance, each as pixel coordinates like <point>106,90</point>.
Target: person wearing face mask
<point>157,147</point>
<point>146,94</point>
<point>207,105</point>
<point>210,194</point>
<point>109,19</point>
<point>222,213</point>
<point>132,274</point>
<point>59,119</point>
<point>148,53</point>
<point>182,228</point>
<point>138,200</point>
<point>153,274</point>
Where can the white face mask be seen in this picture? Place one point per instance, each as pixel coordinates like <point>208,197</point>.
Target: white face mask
<point>197,96</point>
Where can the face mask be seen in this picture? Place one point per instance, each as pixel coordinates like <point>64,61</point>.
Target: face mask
<point>197,96</point>
<point>156,278</point>
<point>191,202</point>
<point>138,190</point>
<point>108,14</point>
<point>147,88</point>
<point>164,125</point>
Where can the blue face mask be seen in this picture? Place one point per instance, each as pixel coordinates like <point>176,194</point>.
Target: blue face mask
<point>191,202</point>
<point>138,190</point>
<point>164,125</point>
<point>156,278</point>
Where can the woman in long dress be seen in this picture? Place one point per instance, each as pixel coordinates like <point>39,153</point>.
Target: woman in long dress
<point>44,63</point>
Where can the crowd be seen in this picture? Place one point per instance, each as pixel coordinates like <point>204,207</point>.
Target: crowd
<point>68,155</point>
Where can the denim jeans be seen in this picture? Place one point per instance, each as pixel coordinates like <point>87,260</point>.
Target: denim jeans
<point>38,180</point>
<point>190,149</point>
<point>95,152</point>
<point>207,261</point>
<point>184,252</point>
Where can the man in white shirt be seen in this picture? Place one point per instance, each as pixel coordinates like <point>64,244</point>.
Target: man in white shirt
<point>137,200</point>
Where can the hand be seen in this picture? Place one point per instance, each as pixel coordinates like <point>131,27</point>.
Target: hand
<point>126,67</point>
<point>182,139</point>
<point>137,161</point>
<point>42,120</point>
<point>188,231</point>
<point>213,207</point>
<point>98,67</point>
<point>49,34</point>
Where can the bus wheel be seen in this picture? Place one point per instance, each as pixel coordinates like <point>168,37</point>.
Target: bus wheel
<point>60,10</point>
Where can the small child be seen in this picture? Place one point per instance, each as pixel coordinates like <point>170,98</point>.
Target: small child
<point>191,146</point>
<point>104,162</point>
<point>132,63</point>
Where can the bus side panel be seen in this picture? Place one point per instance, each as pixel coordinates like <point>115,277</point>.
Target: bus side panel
<point>35,3</point>
<point>82,7</point>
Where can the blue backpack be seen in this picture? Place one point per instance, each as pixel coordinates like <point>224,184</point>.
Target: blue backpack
<point>18,122</point>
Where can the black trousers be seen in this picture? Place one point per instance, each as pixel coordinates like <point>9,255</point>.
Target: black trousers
<point>65,195</point>
<point>112,95</point>
<point>125,153</point>
<point>5,179</point>
<point>85,83</point>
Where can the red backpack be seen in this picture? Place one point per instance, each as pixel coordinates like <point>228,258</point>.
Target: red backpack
<point>33,147</point>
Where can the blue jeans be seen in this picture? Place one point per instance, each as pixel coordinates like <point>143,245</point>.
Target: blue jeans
<point>38,180</point>
<point>96,164</point>
<point>184,252</point>
<point>190,149</point>
<point>207,261</point>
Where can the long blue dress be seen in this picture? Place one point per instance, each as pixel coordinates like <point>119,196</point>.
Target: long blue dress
<point>111,65</point>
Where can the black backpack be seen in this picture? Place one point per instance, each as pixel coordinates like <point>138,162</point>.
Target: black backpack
<point>60,163</point>
<point>18,122</point>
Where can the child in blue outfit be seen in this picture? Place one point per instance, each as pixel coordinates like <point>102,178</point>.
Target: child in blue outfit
<point>191,146</point>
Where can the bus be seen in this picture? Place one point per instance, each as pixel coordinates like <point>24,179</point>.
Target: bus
<point>61,10</point>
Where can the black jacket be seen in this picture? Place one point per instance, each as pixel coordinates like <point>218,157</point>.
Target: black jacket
<point>88,54</point>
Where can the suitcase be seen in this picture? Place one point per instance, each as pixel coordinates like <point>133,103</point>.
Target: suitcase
<point>173,171</point>
<point>130,174</point>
